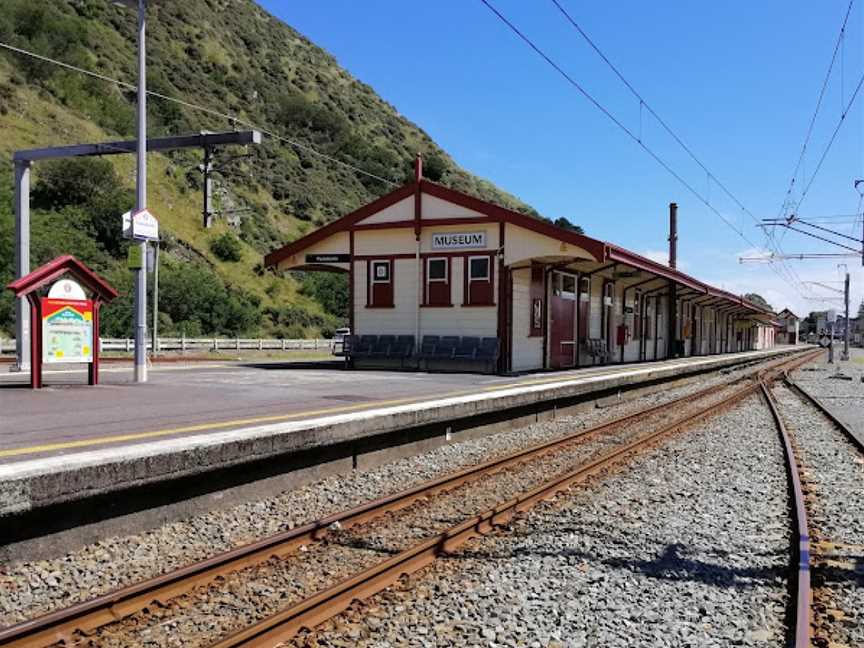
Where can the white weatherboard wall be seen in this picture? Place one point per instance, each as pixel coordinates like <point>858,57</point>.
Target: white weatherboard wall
<point>480,321</point>
<point>631,349</point>
<point>401,211</point>
<point>527,351</point>
<point>398,320</point>
<point>434,208</point>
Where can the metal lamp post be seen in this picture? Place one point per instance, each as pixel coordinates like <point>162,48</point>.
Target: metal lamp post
<point>140,305</point>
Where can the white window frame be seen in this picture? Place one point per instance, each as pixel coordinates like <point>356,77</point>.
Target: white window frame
<point>389,278</point>
<point>488,276</point>
<point>559,285</point>
<point>429,261</point>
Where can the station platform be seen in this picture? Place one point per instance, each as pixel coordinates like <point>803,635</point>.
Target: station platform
<point>72,442</point>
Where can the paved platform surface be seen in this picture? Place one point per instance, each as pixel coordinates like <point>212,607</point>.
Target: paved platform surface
<point>179,400</point>
<point>831,385</point>
<point>193,430</point>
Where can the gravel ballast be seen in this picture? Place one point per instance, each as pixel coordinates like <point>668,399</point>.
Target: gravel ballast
<point>202,617</point>
<point>688,545</point>
<point>28,589</point>
<point>835,469</point>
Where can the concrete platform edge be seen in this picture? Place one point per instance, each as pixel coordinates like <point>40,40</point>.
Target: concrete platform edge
<point>39,483</point>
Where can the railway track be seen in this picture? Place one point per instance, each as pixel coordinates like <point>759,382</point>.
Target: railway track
<point>106,619</point>
<point>830,567</point>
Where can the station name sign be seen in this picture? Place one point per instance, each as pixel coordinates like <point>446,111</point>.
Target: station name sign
<point>458,240</point>
<point>328,258</point>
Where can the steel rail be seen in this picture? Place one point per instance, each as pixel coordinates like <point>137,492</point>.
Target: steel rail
<point>85,617</point>
<point>326,604</point>
<point>850,435</point>
<point>803,592</point>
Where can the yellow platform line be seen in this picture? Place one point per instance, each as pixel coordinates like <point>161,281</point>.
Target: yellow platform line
<point>216,425</point>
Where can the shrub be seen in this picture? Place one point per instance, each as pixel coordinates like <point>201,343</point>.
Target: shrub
<point>227,247</point>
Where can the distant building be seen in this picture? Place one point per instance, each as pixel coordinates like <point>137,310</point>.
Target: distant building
<point>787,332</point>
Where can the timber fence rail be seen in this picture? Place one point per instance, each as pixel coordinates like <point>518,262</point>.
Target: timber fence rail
<point>183,344</point>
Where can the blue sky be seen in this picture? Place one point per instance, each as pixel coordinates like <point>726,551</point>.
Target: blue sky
<point>737,81</point>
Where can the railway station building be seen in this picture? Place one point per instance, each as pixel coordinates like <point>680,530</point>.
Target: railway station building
<point>425,263</point>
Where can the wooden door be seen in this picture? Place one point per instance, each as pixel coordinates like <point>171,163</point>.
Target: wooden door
<point>563,343</point>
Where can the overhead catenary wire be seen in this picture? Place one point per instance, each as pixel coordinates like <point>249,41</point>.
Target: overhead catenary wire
<point>636,138</point>
<point>643,103</point>
<point>193,106</point>
<point>827,148</point>
<point>812,123</point>
<point>612,117</point>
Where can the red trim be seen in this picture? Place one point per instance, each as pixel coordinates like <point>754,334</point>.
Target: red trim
<point>425,222</point>
<point>466,296</point>
<point>418,198</point>
<point>402,224</point>
<point>383,257</point>
<point>432,222</point>
<point>93,368</point>
<point>621,255</point>
<point>424,263</point>
<point>318,267</point>
<point>35,340</point>
<point>370,285</point>
<point>351,272</point>
<point>50,271</point>
<point>456,255</point>
<point>601,251</point>
<point>502,301</point>
<point>339,225</point>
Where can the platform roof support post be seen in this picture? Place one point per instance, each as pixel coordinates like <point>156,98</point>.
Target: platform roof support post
<point>22,261</point>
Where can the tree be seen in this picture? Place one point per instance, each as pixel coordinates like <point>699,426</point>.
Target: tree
<point>227,247</point>
<point>565,223</point>
<point>759,300</point>
<point>330,289</point>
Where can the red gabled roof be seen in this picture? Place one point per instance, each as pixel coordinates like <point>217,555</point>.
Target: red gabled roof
<point>592,246</point>
<point>55,269</point>
<point>600,250</point>
<point>340,225</point>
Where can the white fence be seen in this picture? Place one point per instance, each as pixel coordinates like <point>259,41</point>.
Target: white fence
<point>184,344</point>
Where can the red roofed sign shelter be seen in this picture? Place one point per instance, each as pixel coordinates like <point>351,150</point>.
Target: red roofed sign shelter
<point>68,320</point>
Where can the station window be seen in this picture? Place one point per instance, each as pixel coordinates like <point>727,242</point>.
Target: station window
<point>380,292</point>
<point>565,285</point>
<point>637,317</point>
<point>438,281</point>
<point>479,281</point>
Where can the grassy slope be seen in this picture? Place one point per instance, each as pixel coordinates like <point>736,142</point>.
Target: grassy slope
<point>39,120</point>
<point>232,56</point>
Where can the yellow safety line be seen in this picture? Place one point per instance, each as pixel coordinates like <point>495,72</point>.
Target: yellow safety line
<point>83,443</point>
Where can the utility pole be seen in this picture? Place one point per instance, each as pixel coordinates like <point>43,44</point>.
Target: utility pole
<point>845,355</point>
<point>141,201</point>
<point>672,326</point>
<point>207,169</point>
<point>22,263</point>
<point>154,333</point>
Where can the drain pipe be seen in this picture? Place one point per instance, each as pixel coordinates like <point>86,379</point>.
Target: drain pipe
<point>418,217</point>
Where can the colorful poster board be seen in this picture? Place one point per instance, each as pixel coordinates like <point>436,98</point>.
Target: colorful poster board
<point>67,330</point>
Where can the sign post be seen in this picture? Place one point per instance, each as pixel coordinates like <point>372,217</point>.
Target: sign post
<point>65,323</point>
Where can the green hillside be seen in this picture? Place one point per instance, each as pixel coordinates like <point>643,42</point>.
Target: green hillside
<point>233,57</point>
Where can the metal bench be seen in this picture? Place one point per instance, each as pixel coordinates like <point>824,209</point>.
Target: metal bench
<point>597,350</point>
